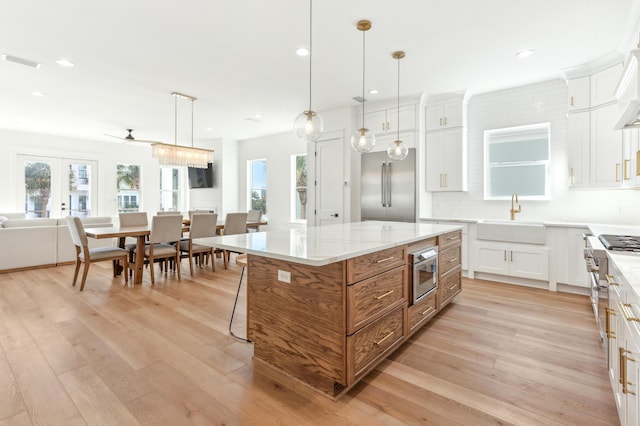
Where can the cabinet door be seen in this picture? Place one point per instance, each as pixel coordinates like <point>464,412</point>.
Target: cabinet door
<point>630,178</point>
<point>579,97</point>
<point>452,114</point>
<point>578,135</point>
<point>434,148</point>
<point>529,262</point>
<point>606,148</point>
<point>632,370</point>
<point>603,85</point>
<point>454,165</point>
<point>375,121</point>
<point>434,116</point>
<point>407,118</point>
<point>491,258</point>
<point>616,340</point>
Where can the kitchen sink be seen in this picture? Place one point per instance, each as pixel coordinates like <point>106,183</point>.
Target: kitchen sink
<point>511,231</point>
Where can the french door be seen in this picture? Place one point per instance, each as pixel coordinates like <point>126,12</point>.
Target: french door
<point>57,187</point>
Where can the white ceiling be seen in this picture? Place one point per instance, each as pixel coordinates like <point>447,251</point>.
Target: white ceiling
<point>237,57</point>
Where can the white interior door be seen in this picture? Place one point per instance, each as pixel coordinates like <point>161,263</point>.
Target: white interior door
<point>329,183</point>
<point>57,187</point>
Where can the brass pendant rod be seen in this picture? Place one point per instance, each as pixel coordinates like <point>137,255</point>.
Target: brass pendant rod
<point>310,50</point>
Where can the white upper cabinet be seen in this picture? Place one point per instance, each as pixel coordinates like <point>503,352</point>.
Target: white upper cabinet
<point>445,115</point>
<point>579,97</point>
<point>578,134</point>
<point>385,121</point>
<point>606,148</point>
<point>603,85</point>
<point>446,160</point>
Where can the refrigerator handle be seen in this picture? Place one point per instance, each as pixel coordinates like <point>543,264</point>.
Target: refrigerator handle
<point>389,184</point>
<point>383,197</point>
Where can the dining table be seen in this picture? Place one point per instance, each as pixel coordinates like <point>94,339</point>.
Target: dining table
<point>141,233</point>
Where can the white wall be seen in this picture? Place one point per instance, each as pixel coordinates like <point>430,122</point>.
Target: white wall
<point>277,151</point>
<point>535,103</point>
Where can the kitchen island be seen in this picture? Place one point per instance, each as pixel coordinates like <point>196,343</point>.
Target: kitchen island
<point>326,304</point>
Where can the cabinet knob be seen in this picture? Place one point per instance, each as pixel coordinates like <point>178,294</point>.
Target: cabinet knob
<point>572,101</point>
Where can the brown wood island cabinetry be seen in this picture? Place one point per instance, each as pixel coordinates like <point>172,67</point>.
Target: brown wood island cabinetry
<point>449,267</point>
<point>327,323</point>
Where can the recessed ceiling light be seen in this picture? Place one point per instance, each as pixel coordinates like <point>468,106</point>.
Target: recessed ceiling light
<point>21,61</point>
<point>209,129</point>
<point>302,51</point>
<point>36,93</point>
<point>255,117</point>
<point>373,91</point>
<point>525,53</point>
<point>65,63</point>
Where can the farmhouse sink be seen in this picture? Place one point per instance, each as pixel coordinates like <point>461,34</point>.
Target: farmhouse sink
<point>511,231</point>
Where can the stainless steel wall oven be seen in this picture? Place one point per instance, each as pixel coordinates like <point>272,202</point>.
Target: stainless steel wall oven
<point>424,272</point>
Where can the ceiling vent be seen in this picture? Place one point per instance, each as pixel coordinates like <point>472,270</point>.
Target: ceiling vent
<point>21,61</point>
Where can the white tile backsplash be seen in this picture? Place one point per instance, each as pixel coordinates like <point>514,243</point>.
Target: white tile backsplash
<point>534,103</point>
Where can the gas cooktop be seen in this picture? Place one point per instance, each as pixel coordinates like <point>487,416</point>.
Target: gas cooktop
<point>621,242</point>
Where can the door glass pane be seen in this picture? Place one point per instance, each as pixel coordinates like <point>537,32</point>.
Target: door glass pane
<point>37,182</point>
<point>79,185</point>
<point>258,185</point>
<point>128,180</point>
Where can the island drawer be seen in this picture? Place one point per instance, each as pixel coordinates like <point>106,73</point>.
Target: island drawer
<point>421,311</point>
<point>368,265</point>
<point>371,298</point>
<point>371,344</point>
<point>449,286</point>
<point>450,238</point>
<point>449,258</point>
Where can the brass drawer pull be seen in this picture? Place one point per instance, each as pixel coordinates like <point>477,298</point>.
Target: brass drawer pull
<point>382,296</point>
<point>610,280</point>
<point>386,259</point>
<point>627,314</point>
<point>385,338</point>
<point>452,287</point>
<point>452,238</point>
<point>426,311</point>
<point>453,260</point>
<point>610,333</point>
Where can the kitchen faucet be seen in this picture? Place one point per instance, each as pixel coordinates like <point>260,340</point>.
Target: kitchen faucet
<point>513,211</point>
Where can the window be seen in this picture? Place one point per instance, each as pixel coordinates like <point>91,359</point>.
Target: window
<point>128,181</point>
<point>299,193</point>
<point>37,182</point>
<point>257,171</point>
<point>169,189</point>
<point>517,162</point>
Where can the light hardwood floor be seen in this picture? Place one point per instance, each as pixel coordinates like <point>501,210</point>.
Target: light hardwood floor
<point>162,354</point>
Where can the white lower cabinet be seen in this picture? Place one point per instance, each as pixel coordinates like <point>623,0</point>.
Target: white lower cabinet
<point>516,260</point>
<point>623,331</point>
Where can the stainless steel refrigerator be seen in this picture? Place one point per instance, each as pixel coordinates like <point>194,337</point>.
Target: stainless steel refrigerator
<point>388,188</point>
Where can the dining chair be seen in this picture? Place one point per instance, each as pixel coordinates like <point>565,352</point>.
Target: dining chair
<point>254,216</point>
<point>129,220</point>
<point>164,242</point>
<point>202,225</point>
<point>169,213</point>
<point>87,256</point>
<point>234,223</point>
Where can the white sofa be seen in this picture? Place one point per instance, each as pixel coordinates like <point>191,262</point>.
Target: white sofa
<point>41,242</point>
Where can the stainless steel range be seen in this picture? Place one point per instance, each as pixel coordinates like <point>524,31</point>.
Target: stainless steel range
<point>620,242</point>
<point>595,255</point>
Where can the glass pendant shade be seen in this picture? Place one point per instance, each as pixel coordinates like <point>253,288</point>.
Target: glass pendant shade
<point>363,140</point>
<point>397,151</point>
<point>308,126</point>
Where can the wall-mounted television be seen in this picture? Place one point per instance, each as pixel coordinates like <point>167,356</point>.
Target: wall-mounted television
<point>201,178</point>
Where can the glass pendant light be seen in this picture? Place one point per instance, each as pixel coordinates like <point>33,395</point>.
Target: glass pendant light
<point>363,139</point>
<point>308,124</point>
<point>398,149</point>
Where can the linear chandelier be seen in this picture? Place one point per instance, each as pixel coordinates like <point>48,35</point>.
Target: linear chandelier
<point>181,155</point>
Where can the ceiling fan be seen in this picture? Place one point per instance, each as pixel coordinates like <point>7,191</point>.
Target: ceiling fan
<point>130,138</point>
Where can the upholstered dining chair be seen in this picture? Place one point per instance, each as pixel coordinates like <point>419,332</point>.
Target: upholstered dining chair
<point>254,216</point>
<point>164,242</point>
<point>234,223</point>
<point>87,256</point>
<point>202,225</point>
<point>129,220</point>
<point>168,213</point>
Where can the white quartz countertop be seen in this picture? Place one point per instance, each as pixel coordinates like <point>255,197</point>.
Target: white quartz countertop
<point>321,245</point>
<point>627,262</point>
